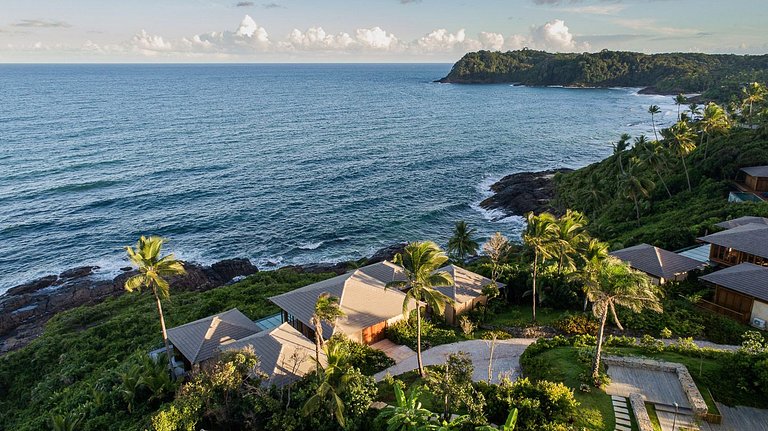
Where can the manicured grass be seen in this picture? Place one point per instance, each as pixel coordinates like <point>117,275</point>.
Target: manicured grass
<point>562,365</point>
<point>520,316</point>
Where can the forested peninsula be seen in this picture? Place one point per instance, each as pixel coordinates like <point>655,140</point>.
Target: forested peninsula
<point>715,75</point>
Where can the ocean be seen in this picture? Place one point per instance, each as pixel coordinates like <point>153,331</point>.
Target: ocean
<point>279,163</point>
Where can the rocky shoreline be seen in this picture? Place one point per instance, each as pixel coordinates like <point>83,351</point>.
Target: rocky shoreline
<point>523,192</point>
<point>25,309</point>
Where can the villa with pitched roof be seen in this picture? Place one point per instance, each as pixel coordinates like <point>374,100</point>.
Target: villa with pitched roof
<point>660,265</point>
<point>746,242</point>
<point>466,292</point>
<point>741,292</point>
<point>755,178</point>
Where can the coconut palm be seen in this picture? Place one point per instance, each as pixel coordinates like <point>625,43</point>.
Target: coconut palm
<point>634,185</point>
<point>593,194</point>
<point>461,243</point>
<point>694,110</point>
<point>421,261</point>
<point>679,101</point>
<point>333,382</point>
<point>682,144</point>
<point>653,110</point>
<point>752,94</point>
<point>653,155</point>
<point>326,309</point>
<point>567,233</point>
<point>538,238</point>
<point>620,147</point>
<point>592,253</point>
<point>714,121</point>
<point>616,284</point>
<point>153,271</point>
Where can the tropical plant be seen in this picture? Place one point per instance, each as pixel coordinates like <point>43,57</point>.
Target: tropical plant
<point>509,424</point>
<point>714,121</point>
<point>333,382</point>
<point>682,144</point>
<point>153,271</point>
<point>421,261</point>
<point>461,243</point>
<point>653,155</point>
<point>66,422</point>
<point>407,414</point>
<point>694,111</point>
<point>679,101</point>
<point>567,233</point>
<point>620,147</point>
<point>451,384</point>
<point>616,284</point>
<point>634,185</point>
<point>490,291</point>
<point>496,248</point>
<point>593,193</point>
<point>592,252</point>
<point>537,237</point>
<point>752,94</point>
<point>326,310</point>
<point>653,110</point>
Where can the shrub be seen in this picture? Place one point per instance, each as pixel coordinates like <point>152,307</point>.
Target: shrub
<point>577,324</point>
<point>651,345</point>
<point>620,341</point>
<point>467,326</point>
<point>540,404</point>
<point>404,332</point>
<point>364,357</point>
<point>500,335</point>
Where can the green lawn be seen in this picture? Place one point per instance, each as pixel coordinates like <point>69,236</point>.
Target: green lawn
<point>520,316</point>
<point>653,416</point>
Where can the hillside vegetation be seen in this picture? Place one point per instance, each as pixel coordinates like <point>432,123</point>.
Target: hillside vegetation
<point>718,75</point>
<point>642,194</point>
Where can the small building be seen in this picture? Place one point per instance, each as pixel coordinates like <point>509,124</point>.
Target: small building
<point>285,354</point>
<point>466,292</point>
<point>741,221</point>
<point>200,340</point>
<point>741,292</point>
<point>755,178</point>
<point>369,306</point>
<point>660,265</point>
<point>744,243</point>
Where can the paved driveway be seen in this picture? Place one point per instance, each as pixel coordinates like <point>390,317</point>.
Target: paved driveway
<point>506,358</point>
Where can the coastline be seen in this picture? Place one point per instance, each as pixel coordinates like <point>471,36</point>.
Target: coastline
<point>522,192</point>
<point>26,308</point>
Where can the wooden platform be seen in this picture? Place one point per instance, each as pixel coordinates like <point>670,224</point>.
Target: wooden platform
<point>657,386</point>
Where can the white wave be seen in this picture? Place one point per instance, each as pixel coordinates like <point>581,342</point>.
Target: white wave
<point>310,245</point>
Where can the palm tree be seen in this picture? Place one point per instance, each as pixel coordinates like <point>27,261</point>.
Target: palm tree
<point>567,233</point>
<point>653,110</point>
<point>715,120</point>
<point>679,101</point>
<point>496,248</point>
<point>654,156</point>
<point>592,252</point>
<point>694,109</point>
<point>66,422</point>
<point>407,414</point>
<point>461,243</point>
<point>752,94</point>
<point>592,194</point>
<point>634,185</point>
<point>538,237</point>
<point>620,147</point>
<point>326,309</point>
<point>152,272</point>
<point>509,424</point>
<point>617,284</point>
<point>682,144</point>
<point>333,383</point>
<point>421,261</point>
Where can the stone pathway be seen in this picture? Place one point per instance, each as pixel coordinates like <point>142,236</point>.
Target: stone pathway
<point>396,352</point>
<point>506,358</point>
<point>621,413</point>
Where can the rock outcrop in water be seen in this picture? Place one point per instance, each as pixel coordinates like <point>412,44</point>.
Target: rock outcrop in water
<point>24,309</point>
<point>520,193</point>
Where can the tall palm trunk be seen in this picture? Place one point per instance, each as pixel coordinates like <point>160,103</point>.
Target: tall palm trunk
<point>535,273</point>
<point>418,340</point>
<point>318,343</point>
<point>653,121</point>
<point>663,182</point>
<point>685,168</point>
<point>637,208</point>
<point>165,333</point>
<point>599,348</point>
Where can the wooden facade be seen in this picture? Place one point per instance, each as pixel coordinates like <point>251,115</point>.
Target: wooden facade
<point>375,333</point>
<point>731,257</point>
<point>756,183</point>
<point>739,304</point>
<point>369,335</point>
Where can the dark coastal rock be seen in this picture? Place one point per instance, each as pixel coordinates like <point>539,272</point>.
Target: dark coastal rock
<point>25,309</point>
<point>520,193</point>
<point>386,253</point>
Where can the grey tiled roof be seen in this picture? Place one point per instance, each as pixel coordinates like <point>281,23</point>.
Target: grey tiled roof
<point>285,354</point>
<point>362,296</point>
<point>750,238</point>
<point>467,284</point>
<point>656,261</point>
<point>741,221</point>
<point>756,171</point>
<point>199,340</point>
<point>746,278</point>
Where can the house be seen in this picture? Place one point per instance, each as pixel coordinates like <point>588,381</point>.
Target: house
<point>285,354</point>
<point>466,292</point>
<point>754,178</point>
<point>200,340</point>
<point>369,306</point>
<point>660,265</point>
<point>741,221</point>
<point>745,243</point>
<point>741,292</point>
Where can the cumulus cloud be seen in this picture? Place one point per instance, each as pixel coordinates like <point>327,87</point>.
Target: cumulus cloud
<point>441,40</point>
<point>491,41</point>
<point>41,23</point>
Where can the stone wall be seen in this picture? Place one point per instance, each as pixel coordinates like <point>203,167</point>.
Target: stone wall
<point>698,405</point>
<point>641,413</point>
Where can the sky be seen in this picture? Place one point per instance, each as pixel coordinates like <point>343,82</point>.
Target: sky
<point>108,31</point>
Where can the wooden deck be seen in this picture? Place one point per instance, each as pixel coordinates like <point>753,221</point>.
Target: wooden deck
<point>739,418</point>
<point>657,386</point>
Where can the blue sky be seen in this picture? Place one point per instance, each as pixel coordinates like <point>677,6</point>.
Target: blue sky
<point>367,30</point>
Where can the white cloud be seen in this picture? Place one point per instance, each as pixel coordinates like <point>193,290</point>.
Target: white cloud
<point>376,38</point>
<point>441,40</point>
<point>555,36</point>
<point>315,38</point>
<point>491,41</point>
<point>150,44</point>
